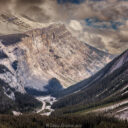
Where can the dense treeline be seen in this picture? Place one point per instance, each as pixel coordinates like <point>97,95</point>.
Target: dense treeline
<point>37,121</point>
<point>22,102</point>
<point>5,103</point>
<point>101,92</point>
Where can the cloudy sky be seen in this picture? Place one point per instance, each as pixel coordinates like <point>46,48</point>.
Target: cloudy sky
<point>101,23</point>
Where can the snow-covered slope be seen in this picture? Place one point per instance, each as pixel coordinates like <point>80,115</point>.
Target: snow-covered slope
<point>36,57</point>
<point>8,65</point>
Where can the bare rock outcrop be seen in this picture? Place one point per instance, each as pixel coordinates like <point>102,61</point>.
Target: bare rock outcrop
<point>39,55</point>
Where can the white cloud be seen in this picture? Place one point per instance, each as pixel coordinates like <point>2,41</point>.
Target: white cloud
<point>74,15</point>
<point>75,25</point>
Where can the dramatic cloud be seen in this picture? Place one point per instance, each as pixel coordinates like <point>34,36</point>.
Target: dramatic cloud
<point>101,23</point>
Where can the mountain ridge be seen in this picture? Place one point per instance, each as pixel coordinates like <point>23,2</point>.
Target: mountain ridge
<point>52,52</point>
<point>109,87</point>
<point>42,62</point>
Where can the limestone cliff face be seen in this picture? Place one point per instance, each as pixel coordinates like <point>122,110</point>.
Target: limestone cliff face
<point>39,55</point>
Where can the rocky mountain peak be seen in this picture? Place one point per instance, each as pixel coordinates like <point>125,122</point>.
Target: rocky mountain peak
<point>52,52</point>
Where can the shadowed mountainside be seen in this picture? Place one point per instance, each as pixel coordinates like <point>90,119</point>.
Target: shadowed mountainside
<point>109,85</point>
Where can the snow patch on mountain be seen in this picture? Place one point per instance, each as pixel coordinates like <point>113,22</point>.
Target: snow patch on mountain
<point>47,102</point>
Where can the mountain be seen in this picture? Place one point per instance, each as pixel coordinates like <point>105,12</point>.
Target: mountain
<point>108,87</point>
<point>37,56</point>
<point>13,96</point>
<point>12,23</point>
<point>13,100</point>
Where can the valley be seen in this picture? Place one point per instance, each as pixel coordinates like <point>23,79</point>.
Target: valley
<point>105,92</point>
<point>63,64</point>
<point>43,64</point>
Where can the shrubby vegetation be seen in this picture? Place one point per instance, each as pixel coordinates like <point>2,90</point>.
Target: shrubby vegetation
<point>6,104</point>
<point>102,91</point>
<point>26,102</point>
<point>22,102</point>
<point>37,121</point>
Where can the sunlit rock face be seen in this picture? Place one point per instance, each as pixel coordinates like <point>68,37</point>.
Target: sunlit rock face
<point>39,55</point>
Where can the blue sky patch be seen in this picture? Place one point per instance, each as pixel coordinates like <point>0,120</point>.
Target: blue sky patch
<point>70,1</point>
<point>96,23</point>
